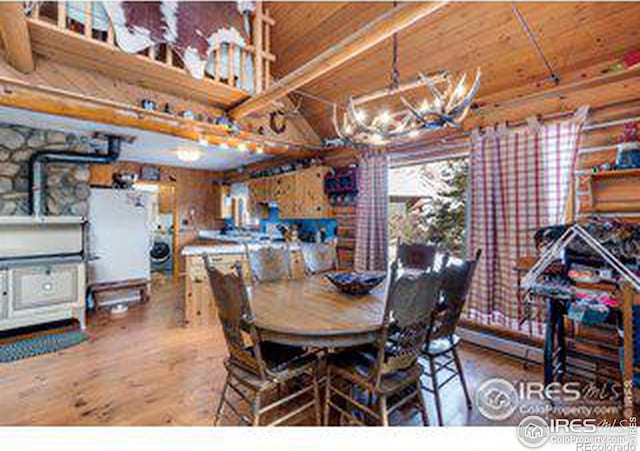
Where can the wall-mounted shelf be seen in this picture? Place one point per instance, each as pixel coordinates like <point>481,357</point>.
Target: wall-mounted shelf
<point>615,191</point>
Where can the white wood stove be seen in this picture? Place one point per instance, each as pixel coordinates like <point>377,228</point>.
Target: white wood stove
<point>42,270</point>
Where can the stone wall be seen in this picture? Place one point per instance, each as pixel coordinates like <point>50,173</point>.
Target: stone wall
<point>65,186</point>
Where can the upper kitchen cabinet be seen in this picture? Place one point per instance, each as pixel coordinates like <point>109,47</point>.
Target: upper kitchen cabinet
<point>298,194</point>
<point>311,200</point>
<point>285,195</point>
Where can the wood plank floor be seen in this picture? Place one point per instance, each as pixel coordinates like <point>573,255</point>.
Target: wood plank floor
<point>145,369</point>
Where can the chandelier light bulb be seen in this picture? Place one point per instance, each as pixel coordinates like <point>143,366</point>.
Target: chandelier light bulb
<point>361,115</point>
<point>384,117</point>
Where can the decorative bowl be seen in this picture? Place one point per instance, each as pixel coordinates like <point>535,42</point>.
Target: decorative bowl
<point>356,283</point>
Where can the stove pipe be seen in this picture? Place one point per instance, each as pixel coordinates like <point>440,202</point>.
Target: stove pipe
<point>64,156</point>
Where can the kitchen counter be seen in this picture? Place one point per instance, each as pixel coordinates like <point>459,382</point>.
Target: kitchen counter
<point>198,297</point>
<point>231,248</point>
<point>213,242</point>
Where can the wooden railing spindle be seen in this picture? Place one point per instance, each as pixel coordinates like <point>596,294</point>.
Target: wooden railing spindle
<point>62,15</point>
<point>257,50</point>
<point>88,20</point>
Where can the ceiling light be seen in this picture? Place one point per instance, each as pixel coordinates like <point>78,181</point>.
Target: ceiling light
<point>203,141</point>
<point>188,154</point>
<point>445,104</point>
<point>242,147</point>
<point>259,149</point>
<point>224,145</point>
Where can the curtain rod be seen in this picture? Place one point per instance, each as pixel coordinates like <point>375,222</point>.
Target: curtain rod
<point>586,128</point>
<point>552,116</point>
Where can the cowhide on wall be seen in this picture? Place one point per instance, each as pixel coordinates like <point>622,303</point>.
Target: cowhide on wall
<point>193,29</point>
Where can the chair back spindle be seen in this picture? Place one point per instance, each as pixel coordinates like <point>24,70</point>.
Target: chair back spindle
<point>232,302</point>
<point>420,256</point>
<point>411,299</point>
<point>269,263</point>
<point>456,282</point>
<point>319,257</point>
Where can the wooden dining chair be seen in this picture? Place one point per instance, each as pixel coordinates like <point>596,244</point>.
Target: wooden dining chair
<point>420,256</point>
<point>320,257</point>
<point>388,374</point>
<point>441,345</point>
<point>269,263</point>
<point>258,370</point>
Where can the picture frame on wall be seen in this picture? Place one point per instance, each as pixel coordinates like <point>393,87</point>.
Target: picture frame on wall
<point>150,173</point>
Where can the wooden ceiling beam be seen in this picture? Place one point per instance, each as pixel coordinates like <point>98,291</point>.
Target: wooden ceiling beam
<point>394,21</point>
<point>15,37</point>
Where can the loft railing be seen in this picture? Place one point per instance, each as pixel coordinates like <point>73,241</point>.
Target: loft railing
<point>248,68</point>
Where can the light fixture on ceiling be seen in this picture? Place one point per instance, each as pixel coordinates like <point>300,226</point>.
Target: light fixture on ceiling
<point>242,147</point>
<point>446,105</point>
<point>188,154</point>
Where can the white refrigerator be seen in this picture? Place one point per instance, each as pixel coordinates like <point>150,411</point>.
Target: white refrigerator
<point>119,235</point>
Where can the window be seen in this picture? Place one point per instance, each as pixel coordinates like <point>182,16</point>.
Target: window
<point>428,203</point>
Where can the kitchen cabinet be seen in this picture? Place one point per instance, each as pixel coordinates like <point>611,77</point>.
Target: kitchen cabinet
<point>199,301</point>
<point>221,201</point>
<point>298,194</point>
<point>165,199</point>
<point>285,195</point>
<point>311,200</point>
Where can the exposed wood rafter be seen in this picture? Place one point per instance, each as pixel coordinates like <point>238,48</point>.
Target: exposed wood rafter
<point>362,40</point>
<point>15,37</point>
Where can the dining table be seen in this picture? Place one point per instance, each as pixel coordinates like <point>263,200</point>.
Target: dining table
<point>310,311</point>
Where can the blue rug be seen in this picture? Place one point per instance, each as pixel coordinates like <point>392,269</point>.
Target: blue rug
<point>40,345</point>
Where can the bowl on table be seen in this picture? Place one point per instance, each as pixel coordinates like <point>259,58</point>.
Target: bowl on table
<point>356,283</point>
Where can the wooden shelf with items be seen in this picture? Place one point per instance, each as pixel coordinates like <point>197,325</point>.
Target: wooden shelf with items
<point>614,191</point>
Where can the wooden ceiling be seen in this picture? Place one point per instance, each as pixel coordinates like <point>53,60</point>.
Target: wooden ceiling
<point>458,38</point>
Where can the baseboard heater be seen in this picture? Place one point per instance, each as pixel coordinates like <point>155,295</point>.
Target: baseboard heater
<point>512,348</point>
<point>521,351</point>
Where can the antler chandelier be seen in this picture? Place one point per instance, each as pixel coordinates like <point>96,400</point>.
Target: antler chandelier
<point>446,105</point>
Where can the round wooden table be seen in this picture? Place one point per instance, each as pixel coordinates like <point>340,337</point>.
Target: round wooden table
<point>312,312</point>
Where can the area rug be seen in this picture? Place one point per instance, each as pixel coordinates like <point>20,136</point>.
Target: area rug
<point>44,344</point>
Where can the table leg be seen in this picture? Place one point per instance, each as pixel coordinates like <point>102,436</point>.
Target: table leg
<point>561,343</point>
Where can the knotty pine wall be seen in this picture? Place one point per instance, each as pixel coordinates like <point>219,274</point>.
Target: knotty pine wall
<point>194,191</point>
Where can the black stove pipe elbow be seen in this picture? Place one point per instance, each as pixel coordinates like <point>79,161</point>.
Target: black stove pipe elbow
<point>114,145</point>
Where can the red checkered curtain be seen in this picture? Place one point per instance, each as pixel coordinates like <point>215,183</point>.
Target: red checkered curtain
<point>372,236</point>
<point>519,182</point>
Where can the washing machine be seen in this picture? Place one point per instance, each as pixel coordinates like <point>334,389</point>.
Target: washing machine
<point>161,252</point>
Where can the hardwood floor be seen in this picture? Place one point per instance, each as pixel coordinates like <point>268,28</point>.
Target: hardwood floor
<point>145,369</point>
